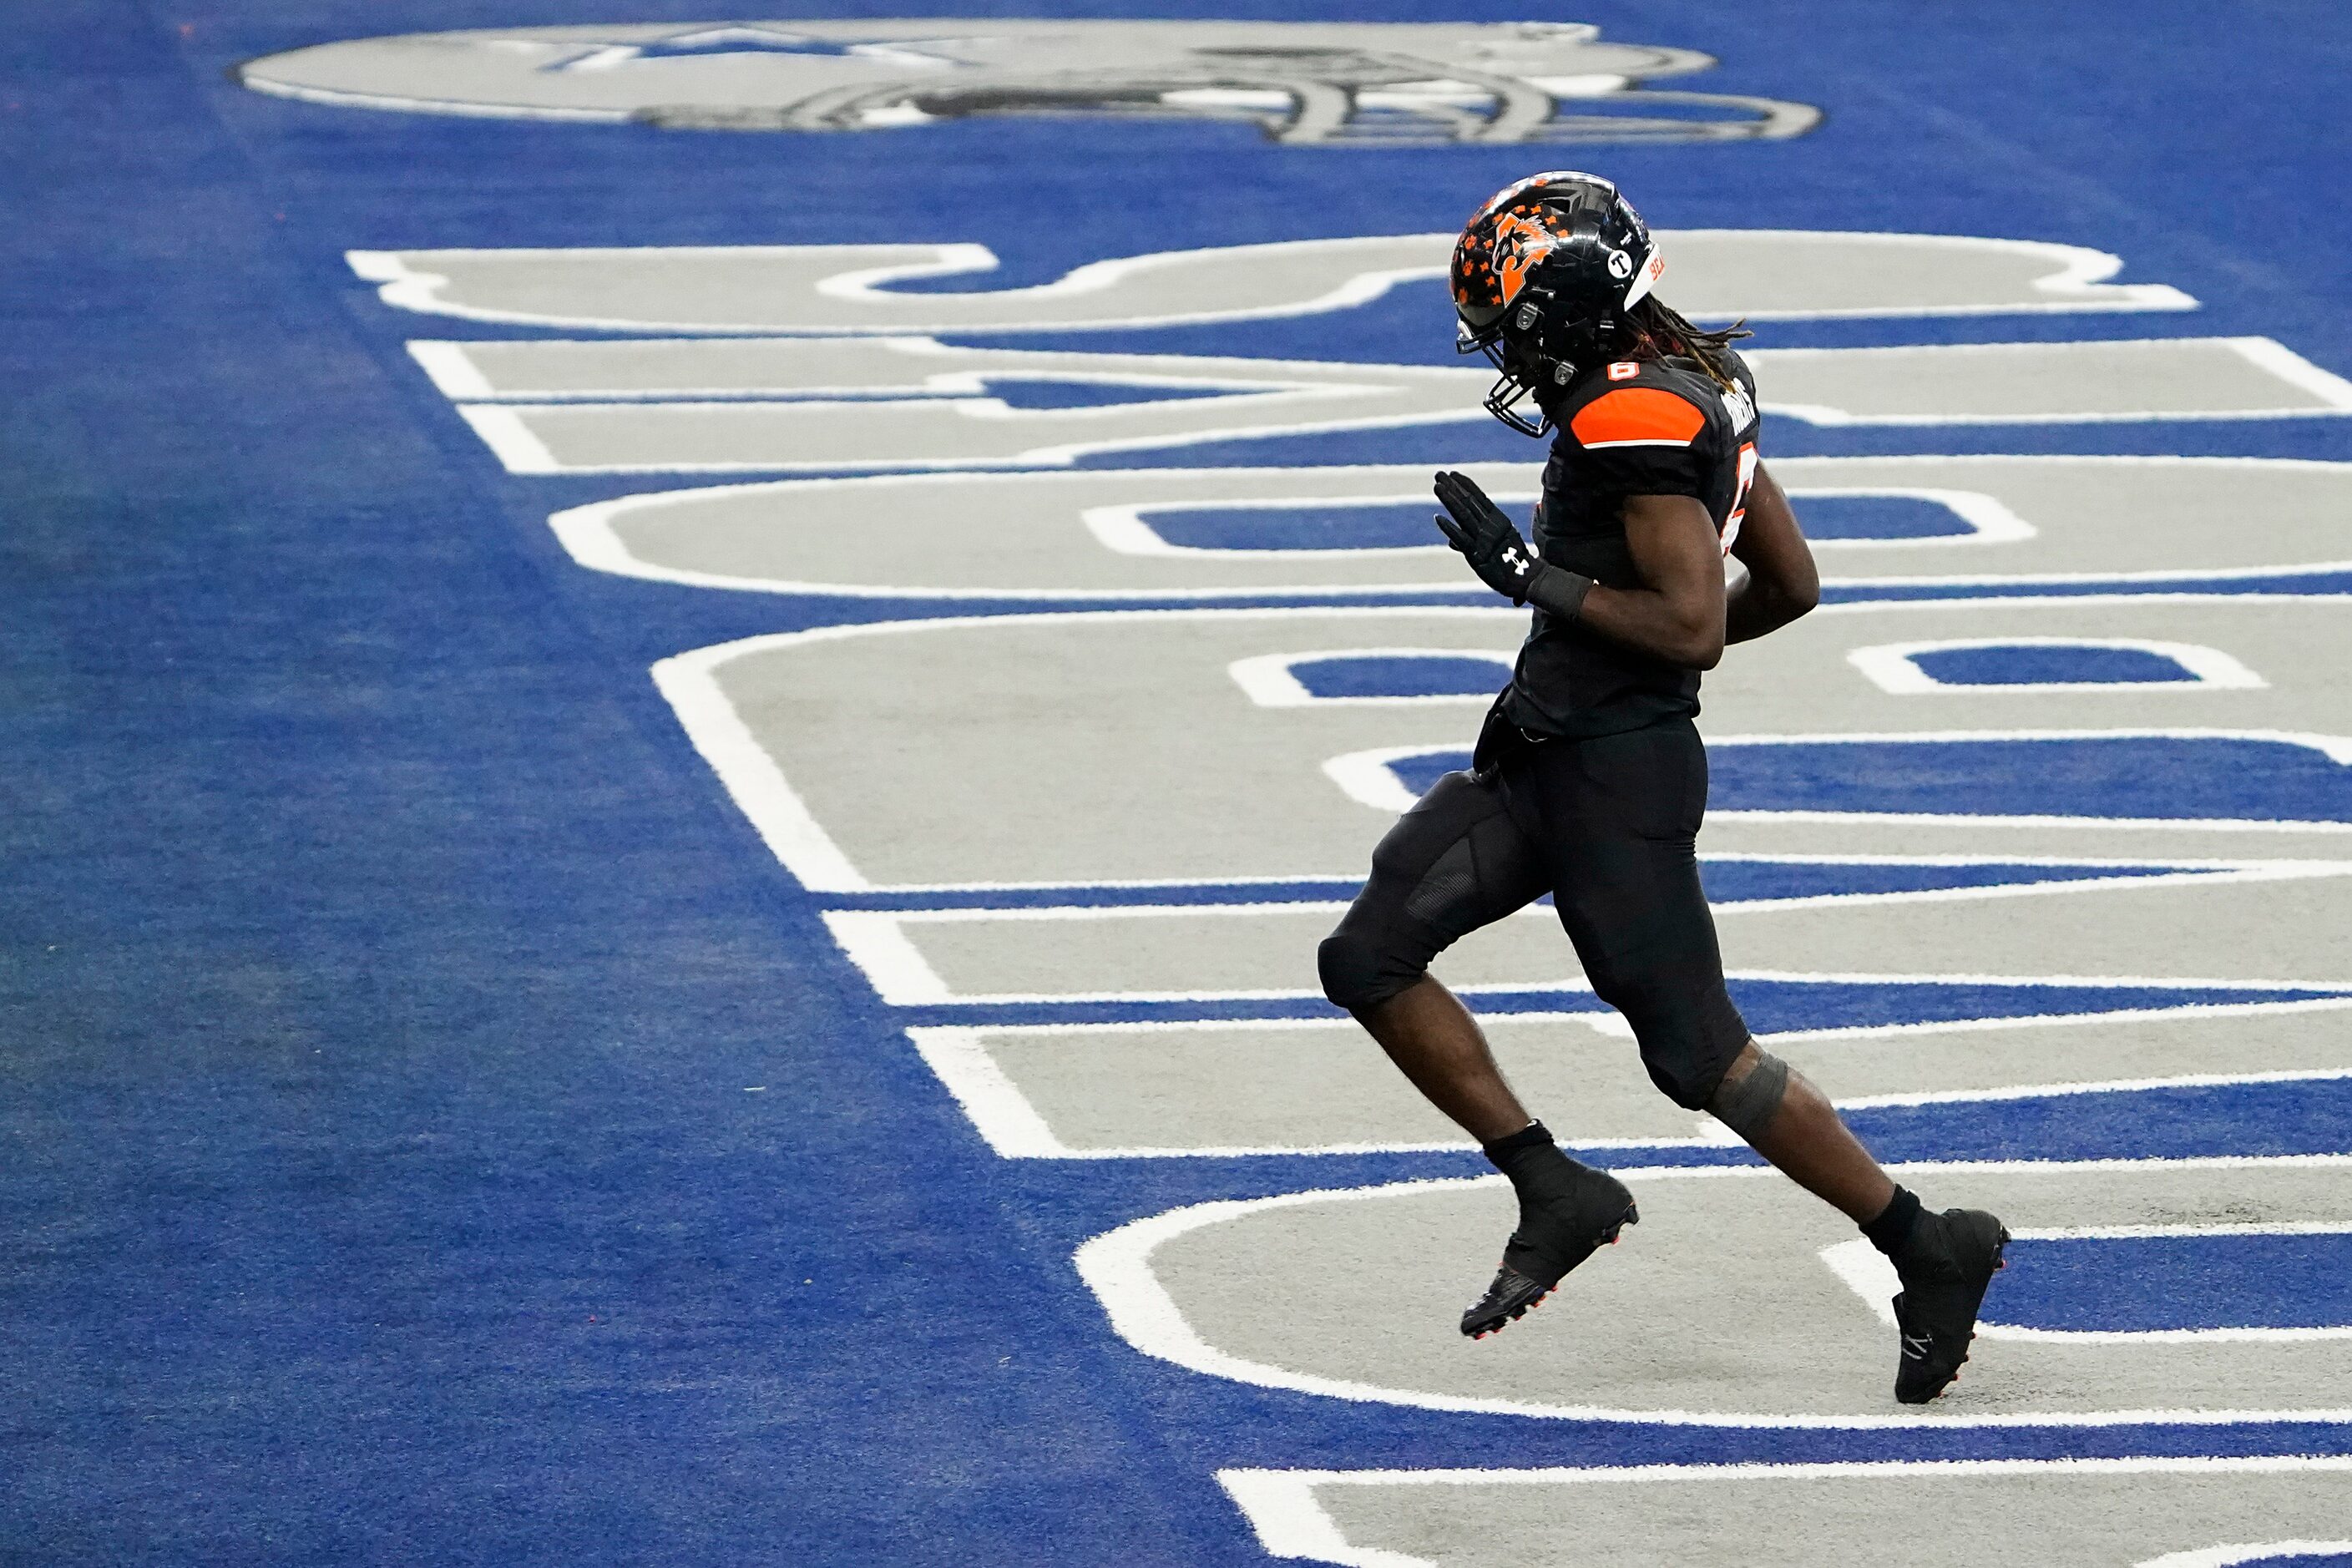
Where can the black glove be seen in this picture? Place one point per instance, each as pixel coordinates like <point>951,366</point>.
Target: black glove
<point>1487,539</point>
<point>1501,558</point>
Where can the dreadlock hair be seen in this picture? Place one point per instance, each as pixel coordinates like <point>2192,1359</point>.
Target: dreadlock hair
<point>1669,333</point>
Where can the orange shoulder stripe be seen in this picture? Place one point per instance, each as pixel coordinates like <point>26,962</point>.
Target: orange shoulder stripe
<point>1637,416</point>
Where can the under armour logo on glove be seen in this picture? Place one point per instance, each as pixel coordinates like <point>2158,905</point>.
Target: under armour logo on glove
<point>1516,561</point>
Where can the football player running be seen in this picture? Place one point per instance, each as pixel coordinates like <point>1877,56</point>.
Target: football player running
<point>1588,779</point>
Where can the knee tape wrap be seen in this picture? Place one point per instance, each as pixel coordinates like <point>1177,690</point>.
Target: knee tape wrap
<point>1747,1107</point>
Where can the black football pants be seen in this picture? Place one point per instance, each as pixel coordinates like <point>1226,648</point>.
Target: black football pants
<point>1607,827</point>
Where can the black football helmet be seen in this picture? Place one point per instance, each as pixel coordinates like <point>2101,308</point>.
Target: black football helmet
<point>1544,276</point>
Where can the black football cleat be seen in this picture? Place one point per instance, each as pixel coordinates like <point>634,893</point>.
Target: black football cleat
<point>1554,1236</point>
<point>1945,1267</point>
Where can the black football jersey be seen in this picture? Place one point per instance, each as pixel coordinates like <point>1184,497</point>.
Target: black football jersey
<point>1635,427</point>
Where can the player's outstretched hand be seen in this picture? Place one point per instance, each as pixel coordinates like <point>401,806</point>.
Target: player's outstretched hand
<point>1487,539</point>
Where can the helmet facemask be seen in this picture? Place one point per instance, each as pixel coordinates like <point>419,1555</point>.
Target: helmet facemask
<point>1516,370</point>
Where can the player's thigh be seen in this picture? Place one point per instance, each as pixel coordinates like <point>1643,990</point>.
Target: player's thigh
<point>1618,819</point>
<point>1455,862</point>
<point>1620,816</point>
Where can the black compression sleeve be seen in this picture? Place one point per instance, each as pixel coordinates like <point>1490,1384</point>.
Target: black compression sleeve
<point>1557,591</point>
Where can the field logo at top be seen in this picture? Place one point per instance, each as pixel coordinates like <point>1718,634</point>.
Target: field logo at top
<point>1303,83</point>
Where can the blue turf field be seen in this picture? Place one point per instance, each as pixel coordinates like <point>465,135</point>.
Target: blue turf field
<point>439,1131</point>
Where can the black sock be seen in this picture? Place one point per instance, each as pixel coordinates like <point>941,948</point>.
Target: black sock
<point>1892,1226</point>
<point>1534,1162</point>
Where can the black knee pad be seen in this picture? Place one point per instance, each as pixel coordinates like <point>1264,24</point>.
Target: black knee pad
<point>1677,1082</point>
<point>1688,1053</point>
<point>1688,1029</point>
<point>1357,972</point>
